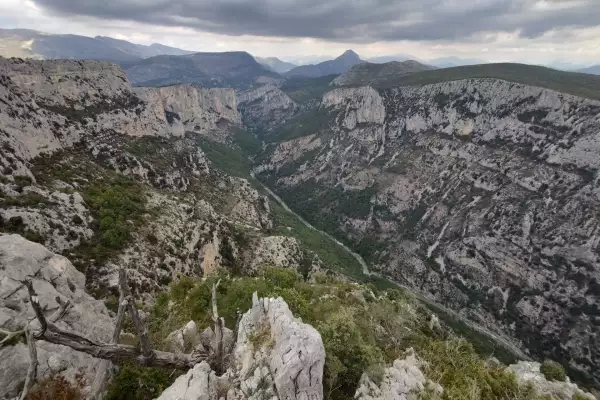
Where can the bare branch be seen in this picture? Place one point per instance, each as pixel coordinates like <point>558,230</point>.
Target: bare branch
<point>35,304</point>
<point>63,309</point>
<point>140,327</point>
<point>215,310</point>
<point>33,364</point>
<point>8,335</point>
<point>116,353</point>
<point>101,374</point>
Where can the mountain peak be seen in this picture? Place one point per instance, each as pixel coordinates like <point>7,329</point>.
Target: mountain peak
<point>349,55</point>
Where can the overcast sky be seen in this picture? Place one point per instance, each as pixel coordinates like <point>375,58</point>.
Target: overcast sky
<point>535,31</point>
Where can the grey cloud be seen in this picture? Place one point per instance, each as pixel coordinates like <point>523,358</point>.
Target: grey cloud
<point>346,20</point>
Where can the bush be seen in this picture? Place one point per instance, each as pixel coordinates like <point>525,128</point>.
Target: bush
<point>553,371</point>
<point>134,382</point>
<point>55,387</point>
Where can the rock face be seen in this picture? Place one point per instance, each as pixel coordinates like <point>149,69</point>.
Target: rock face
<point>70,128</point>
<point>402,381</point>
<point>266,106</point>
<point>51,105</point>
<point>53,277</point>
<point>190,108</point>
<point>480,192</point>
<point>275,357</point>
<point>529,373</point>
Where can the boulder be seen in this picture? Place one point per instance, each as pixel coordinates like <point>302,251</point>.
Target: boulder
<point>528,372</point>
<point>404,380</point>
<point>54,277</point>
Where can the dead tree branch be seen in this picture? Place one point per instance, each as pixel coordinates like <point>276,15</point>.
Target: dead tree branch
<point>138,324</point>
<point>102,373</point>
<point>117,353</point>
<point>33,364</point>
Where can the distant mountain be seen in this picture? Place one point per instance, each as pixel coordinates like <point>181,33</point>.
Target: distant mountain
<point>591,70</point>
<point>275,64</point>
<point>386,59</point>
<point>26,43</point>
<point>377,74</point>
<point>336,66</point>
<point>236,69</point>
<point>447,62</point>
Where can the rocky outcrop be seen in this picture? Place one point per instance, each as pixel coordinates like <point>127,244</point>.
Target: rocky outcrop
<point>529,373</point>
<point>276,356</point>
<point>187,108</point>
<point>361,105</point>
<point>480,192</point>
<point>54,277</point>
<point>266,106</point>
<point>46,106</point>
<point>402,381</point>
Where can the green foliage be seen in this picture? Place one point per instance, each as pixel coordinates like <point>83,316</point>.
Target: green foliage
<point>553,371</point>
<point>225,158</point>
<point>464,375</point>
<point>119,208</point>
<point>134,382</point>
<point>358,336</point>
<point>246,141</point>
<point>304,124</point>
<point>303,89</point>
<point>22,180</point>
<point>577,84</point>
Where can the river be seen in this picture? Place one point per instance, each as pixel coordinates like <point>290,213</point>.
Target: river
<point>517,352</point>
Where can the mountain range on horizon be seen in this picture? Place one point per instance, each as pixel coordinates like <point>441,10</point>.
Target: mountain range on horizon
<point>26,43</point>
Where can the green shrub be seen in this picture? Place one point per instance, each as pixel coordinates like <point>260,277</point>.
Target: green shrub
<point>553,371</point>
<point>134,382</point>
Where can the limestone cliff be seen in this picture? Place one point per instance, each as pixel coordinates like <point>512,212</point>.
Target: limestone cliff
<point>481,193</point>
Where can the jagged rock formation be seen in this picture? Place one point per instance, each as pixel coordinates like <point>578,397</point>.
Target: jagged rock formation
<point>402,381</point>
<point>276,356</point>
<point>372,74</point>
<point>187,108</point>
<point>54,277</point>
<point>481,193</point>
<point>266,106</point>
<point>529,373</point>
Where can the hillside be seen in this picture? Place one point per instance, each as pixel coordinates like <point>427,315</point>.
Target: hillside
<point>32,44</point>
<point>573,83</point>
<point>472,206</point>
<point>378,74</point>
<point>335,66</point>
<point>276,64</point>
<point>229,69</point>
<point>458,189</point>
<point>591,70</point>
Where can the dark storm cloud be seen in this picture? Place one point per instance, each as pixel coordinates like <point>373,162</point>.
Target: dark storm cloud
<point>346,20</point>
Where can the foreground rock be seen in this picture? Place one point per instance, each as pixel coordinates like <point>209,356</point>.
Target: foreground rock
<point>404,380</point>
<point>53,277</point>
<point>529,373</point>
<point>276,357</point>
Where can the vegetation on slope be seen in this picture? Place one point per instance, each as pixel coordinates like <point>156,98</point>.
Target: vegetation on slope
<point>303,89</point>
<point>362,330</point>
<point>574,83</point>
